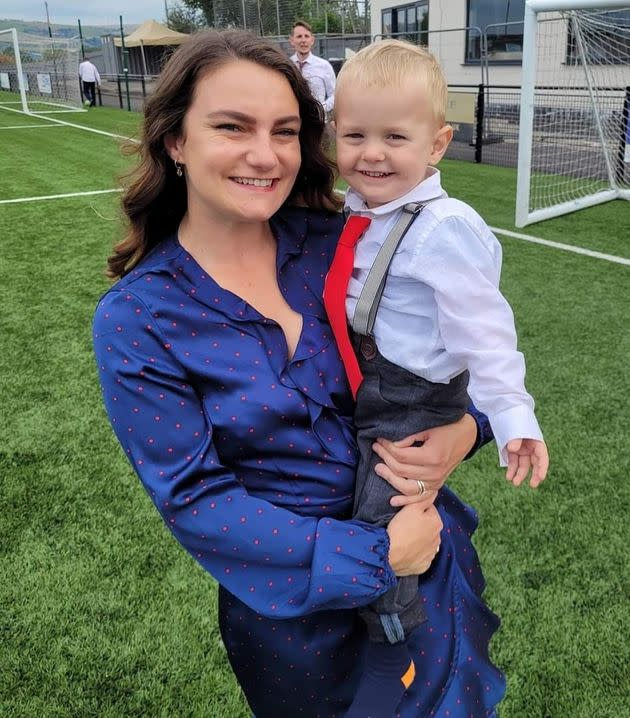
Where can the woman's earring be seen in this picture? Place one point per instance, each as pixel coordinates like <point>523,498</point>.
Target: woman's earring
<point>178,168</point>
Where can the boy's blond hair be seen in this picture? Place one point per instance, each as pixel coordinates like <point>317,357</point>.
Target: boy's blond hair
<point>396,62</point>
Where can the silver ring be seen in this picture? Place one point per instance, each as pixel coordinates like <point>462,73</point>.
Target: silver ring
<point>422,489</point>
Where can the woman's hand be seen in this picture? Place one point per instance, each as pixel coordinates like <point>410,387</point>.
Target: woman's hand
<point>414,539</point>
<point>443,448</point>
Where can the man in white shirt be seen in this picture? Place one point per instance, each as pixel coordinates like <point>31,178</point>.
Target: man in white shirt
<point>88,74</point>
<point>318,72</point>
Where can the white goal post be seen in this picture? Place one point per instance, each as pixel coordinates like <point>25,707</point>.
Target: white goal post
<point>39,75</point>
<point>574,133</point>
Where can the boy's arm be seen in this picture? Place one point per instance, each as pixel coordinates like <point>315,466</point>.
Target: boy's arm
<point>427,458</point>
<point>476,324</point>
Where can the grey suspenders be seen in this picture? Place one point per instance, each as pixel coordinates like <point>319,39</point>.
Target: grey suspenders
<point>370,297</point>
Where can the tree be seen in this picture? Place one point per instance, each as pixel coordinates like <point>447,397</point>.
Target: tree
<point>54,53</point>
<point>206,7</point>
<point>184,18</point>
<point>273,17</point>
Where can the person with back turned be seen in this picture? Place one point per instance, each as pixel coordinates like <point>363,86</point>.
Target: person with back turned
<point>90,80</point>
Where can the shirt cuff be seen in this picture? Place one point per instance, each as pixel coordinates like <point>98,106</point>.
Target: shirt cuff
<point>518,422</point>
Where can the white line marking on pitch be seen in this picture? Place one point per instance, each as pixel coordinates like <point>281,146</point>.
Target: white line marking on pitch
<point>560,245</point>
<point>497,230</point>
<point>46,104</point>
<point>80,127</point>
<point>25,127</point>
<point>59,196</point>
<point>45,113</point>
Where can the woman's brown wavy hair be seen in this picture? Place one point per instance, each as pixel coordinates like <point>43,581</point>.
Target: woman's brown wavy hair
<point>154,201</point>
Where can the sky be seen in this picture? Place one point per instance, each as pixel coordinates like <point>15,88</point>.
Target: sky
<point>90,12</point>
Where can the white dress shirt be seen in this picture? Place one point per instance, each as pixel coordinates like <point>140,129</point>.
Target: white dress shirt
<point>89,73</point>
<point>321,78</point>
<point>441,310</point>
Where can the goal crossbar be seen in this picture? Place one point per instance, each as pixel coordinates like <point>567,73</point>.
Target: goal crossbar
<point>536,6</point>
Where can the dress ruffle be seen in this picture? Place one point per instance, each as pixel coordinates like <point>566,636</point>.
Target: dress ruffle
<point>455,677</point>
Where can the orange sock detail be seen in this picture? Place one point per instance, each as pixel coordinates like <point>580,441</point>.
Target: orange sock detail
<point>410,674</point>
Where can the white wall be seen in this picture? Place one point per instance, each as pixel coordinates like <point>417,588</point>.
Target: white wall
<point>450,47</point>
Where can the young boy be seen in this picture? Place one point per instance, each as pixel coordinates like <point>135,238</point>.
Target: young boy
<point>439,329</point>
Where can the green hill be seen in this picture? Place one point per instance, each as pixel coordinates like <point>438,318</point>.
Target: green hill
<point>91,33</point>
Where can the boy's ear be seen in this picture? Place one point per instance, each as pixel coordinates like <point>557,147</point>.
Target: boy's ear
<point>441,141</point>
<point>333,125</point>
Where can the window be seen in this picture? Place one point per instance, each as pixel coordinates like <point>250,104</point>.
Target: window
<point>386,23</point>
<point>408,22</point>
<point>502,20</point>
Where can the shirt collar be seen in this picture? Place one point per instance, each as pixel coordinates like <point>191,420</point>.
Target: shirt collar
<point>430,188</point>
<point>309,57</point>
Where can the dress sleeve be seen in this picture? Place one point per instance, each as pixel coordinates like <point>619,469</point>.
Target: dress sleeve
<point>484,430</point>
<point>279,563</point>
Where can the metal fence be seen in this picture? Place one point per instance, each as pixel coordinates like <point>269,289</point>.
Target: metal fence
<point>483,111</point>
<point>332,46</point>
<point>500,121</point>
<point>276,17</point>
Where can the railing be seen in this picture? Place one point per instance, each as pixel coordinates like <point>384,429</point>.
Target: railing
<point>128,90</point>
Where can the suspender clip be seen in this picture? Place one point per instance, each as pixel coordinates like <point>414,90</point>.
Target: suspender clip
<point>413,208</point>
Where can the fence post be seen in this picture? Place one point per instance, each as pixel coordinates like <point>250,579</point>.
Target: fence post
<point>119,91</point>
<point>624,139</point>
<point>125,57</point>
<point>479,132</point>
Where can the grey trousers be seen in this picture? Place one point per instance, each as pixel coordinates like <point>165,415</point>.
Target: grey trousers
<point>394,403</point>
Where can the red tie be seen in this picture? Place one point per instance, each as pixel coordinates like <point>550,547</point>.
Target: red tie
<point>335,289</point>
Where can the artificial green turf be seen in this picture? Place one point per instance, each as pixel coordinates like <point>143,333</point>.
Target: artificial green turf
<point>102,614</point>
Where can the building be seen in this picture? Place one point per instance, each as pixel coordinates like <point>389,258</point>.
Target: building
<point>457,31</point>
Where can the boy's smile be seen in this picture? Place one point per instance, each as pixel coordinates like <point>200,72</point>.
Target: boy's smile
<point>386,139</point>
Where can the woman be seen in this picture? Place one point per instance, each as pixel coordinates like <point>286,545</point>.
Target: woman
<point>226,391</point>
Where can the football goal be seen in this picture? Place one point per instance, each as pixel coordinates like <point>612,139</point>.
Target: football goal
<point>574,133</point>
<point>38,75</point>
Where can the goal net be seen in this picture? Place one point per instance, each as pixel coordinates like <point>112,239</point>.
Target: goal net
<point>39,75</point>
<point>574,134</point>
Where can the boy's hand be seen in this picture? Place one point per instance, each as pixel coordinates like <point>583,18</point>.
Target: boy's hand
<point>523,455</point>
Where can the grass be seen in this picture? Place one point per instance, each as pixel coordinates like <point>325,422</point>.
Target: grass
<point>102,614</point>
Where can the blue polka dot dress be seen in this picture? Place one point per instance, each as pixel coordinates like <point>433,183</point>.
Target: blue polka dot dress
<point>250,457</point>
